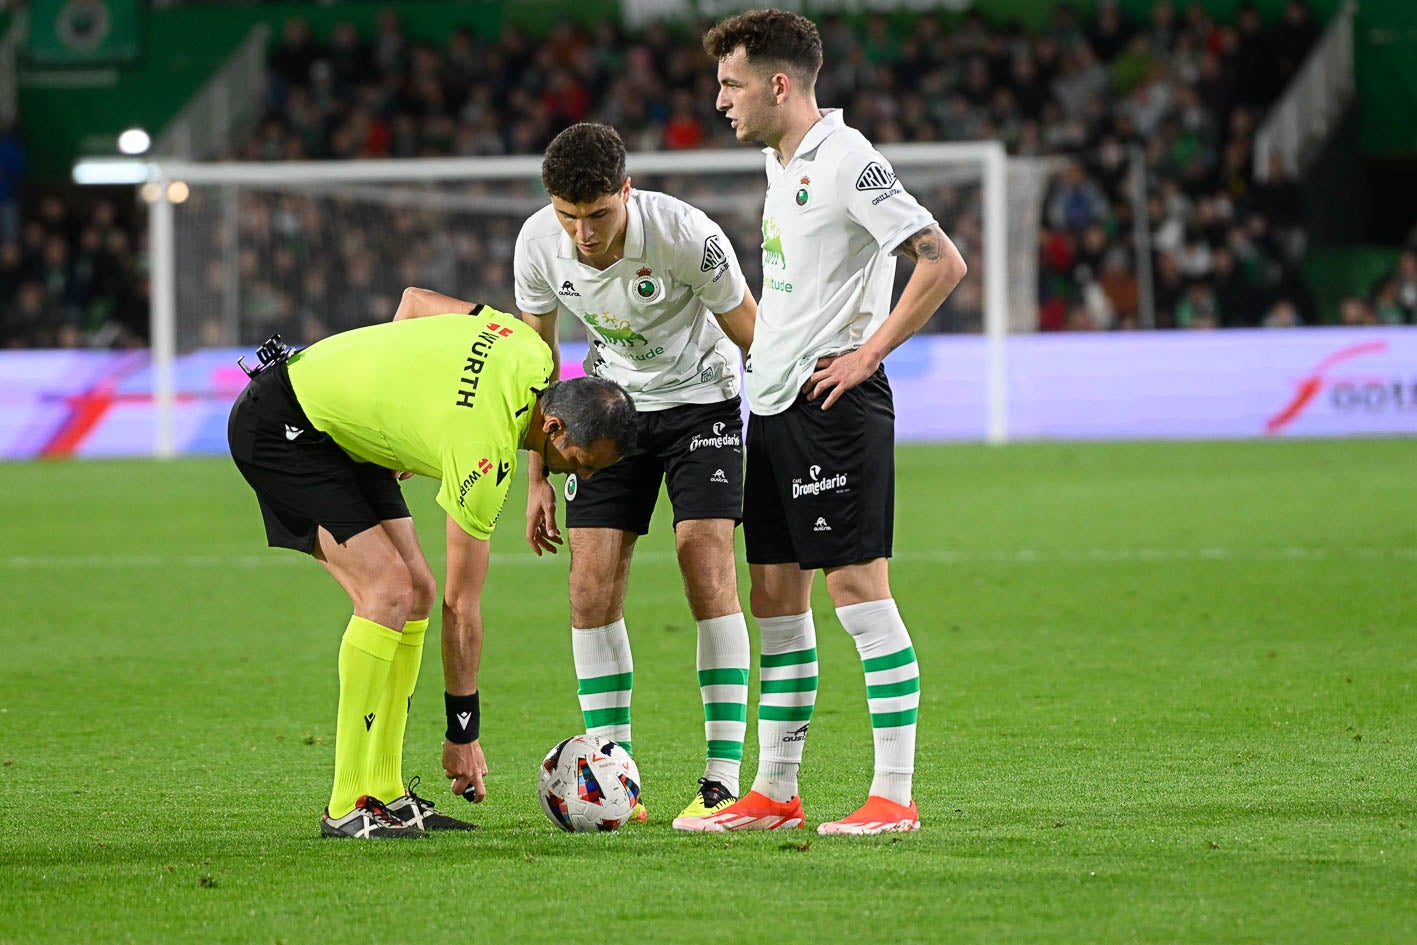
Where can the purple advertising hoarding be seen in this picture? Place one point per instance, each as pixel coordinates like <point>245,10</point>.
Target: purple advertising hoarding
<point>1156,385</point>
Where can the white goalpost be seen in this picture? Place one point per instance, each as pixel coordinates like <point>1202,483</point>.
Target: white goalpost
<point>312,247</point>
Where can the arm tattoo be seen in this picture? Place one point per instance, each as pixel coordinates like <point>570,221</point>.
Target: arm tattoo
<point>928,243</point>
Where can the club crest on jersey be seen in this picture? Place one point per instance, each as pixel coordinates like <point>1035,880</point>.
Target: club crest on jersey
<point>804,192</point>
<point>876,176</point>
<point>571,487</point>
<point>714,256</point>
<point>647,287</point>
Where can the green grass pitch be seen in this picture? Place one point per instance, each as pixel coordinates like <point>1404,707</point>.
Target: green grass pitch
<point>1168,697</point>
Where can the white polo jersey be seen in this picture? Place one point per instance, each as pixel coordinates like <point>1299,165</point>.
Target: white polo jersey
<point>649,315</point>
<point>832,218</point>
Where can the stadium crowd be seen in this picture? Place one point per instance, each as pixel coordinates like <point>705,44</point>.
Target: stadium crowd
<point>1183,90</point>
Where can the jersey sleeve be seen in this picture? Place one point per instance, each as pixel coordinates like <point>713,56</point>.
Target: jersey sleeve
<point>475,483</point>
<point>879,202</point>
<point>707,264</point>
<point>533,293</point>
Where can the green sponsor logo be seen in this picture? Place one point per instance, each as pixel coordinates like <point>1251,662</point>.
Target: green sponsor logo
<point>615,331</point>
<point>773,255</point>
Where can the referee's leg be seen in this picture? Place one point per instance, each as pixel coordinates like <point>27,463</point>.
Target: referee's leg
<point>372,572</point>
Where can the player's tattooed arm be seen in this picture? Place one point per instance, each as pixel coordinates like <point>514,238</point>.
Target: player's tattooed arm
<point>928,244</point>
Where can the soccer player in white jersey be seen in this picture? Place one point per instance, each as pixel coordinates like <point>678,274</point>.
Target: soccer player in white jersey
<point>667,311</point>
<point>819,490</point>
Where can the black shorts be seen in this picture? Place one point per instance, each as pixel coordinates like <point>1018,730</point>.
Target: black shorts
<point>698,448</point>
<point>820,488</point>
<point>301,478</point>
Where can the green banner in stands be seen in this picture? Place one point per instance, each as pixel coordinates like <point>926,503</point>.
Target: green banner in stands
<point>84,32</point>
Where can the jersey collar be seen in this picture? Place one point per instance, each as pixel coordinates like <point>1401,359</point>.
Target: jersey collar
<point>634,234</point>
<point>832,121</point>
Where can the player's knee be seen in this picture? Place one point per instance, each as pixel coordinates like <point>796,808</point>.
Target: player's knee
<point>389,595</point>
<point>599,613</point>
<point>764,602</point>
<point>709,599</point>
<point>424,588</point>
<point>595,602</point>
<point>858,584</point>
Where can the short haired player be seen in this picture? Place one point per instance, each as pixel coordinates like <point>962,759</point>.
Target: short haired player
<point>819,490</point>
<point>658,288</point>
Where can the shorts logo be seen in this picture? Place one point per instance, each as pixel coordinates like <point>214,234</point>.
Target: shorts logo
<point>797,735</point>
<point>292,432</point>
<point>568,288</point>
<point>821,526</point>
<point>647,287</point>
<point>719,440</point>
<point>714,256</point>
<point>718,476</point>
<point>816,485</point>
<point>876,176</point>
<point>571,487</point>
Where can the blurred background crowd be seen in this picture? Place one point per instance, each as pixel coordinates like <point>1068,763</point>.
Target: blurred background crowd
<point>1181,92</point>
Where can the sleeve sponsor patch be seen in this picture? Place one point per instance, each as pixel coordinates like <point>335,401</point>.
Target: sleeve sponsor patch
<point>714,256</point>
<point>876,176</point>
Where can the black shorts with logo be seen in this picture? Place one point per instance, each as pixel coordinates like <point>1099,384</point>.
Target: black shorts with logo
<point>820,489</point>
<point>696,448</point>
<point>301,478</point>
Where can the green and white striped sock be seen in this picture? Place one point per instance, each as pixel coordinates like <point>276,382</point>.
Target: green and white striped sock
<point>723,683</point>
<point>892,691</point>
<point>788,692</point>
<point>606,674</point>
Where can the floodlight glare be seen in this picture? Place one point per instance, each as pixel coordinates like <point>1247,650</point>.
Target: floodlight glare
<point>134,141</point>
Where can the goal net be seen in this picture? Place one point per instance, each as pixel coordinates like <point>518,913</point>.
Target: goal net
<point>310,249</point>
<point>306,249</point>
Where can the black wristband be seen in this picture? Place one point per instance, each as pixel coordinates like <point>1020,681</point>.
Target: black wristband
<point>464,718</point>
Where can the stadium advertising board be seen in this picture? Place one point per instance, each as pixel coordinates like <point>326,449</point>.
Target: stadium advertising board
<point>1159,385</point>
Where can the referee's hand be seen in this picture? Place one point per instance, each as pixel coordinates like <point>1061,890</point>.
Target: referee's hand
<point>541,530</point>
<point>466,767</point>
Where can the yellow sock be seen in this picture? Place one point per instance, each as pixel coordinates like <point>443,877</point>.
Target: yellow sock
<point>365,654</point>
<point>386,737</point>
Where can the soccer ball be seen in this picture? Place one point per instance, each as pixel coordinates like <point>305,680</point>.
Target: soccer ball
<point>588,785</point>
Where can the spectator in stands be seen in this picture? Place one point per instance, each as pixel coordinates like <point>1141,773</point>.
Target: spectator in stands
<point>1077,202</point>
<point>25,321</point>
<point>1292,40</point>
<point>1198,308</point>
<point>12,171</point>
<point>1282,314</point>
<point>1354,311</point>
<point>1404,283</point>
<point>1387,310</point>
<point>290,64</point>
<point>1188,91</point>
